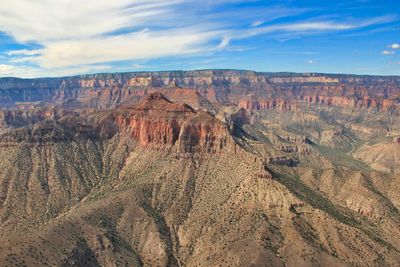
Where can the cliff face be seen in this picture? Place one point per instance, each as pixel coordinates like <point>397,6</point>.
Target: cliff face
<point>255,103</point>
<point>352,102</point>
<point>22,117</point>
<point>272,90</point>
<point>157,121</point>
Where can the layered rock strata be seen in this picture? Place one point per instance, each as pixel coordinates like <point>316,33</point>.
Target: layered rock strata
<point>251,90</point>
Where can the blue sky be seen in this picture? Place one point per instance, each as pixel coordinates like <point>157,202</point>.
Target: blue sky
<point>67,37</point>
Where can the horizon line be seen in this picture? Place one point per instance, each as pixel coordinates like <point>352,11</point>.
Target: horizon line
<point>204,70</point>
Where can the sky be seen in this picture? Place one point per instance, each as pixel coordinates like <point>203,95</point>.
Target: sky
<point>46,38</point>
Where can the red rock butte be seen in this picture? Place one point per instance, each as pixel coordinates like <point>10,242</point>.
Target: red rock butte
<point>158,121</point>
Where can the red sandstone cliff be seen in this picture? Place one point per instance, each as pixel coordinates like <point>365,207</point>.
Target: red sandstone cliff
<point>158,121</point>
<point>258,103</point>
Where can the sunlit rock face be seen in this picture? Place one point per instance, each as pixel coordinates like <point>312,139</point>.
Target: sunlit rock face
<point>244,88</point>
<point>157,121</point>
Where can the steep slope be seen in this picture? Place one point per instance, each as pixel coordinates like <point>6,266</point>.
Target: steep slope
<point>50,165</point>
<point>161,184</point>
<point>168,211</point>
<point>382,157</point>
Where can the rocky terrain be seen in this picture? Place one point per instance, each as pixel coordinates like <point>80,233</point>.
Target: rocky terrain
<point>246,88</point>
<point>200,168</point>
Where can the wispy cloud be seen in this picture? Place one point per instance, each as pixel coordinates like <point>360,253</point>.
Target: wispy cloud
<point>23,52</point>
<point>318,26</point>
<point>257,23</point>
<point>387,52</point>
<point>140,66</point>
<point>141,45</point>
<point>8,70</point>
<point>48,20</point>
<point>89,35</point>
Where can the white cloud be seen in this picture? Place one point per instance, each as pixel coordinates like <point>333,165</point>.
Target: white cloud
<point>139,66</point>
<point>8,70</point>
<point>23,52</point>
<point>224,43</point>
<point>387,52</point>
<point>142,45</point>
<point>395,46</point>
<point>310,62</point>
<point>301,27</point>
<point>50,20</point>
<point>5,69</point>
<point>316,26</point>
<point>76,35</point>
<point>257,23</point>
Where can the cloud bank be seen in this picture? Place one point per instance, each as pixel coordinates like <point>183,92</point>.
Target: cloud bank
<point>72,36</point>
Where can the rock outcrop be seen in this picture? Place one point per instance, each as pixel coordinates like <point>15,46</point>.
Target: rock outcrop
<point>155,121</point>
<point>158,121</point>
<point>255,103</point>
<point>262,90</point>
<point>238,119</point>
<point>303,150</point>
<point>282,160</point>
<point>24,116</point>
<point>296,139</point>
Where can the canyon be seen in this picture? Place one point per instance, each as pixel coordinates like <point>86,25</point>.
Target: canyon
<point>263,90</point>
<point>200,168</point>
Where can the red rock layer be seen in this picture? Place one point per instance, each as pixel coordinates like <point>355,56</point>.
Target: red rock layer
<point>258,103</point>
<point>262,104</point>
<point>351,102</point>
<point>157,121</point>
<point>273,90</point>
